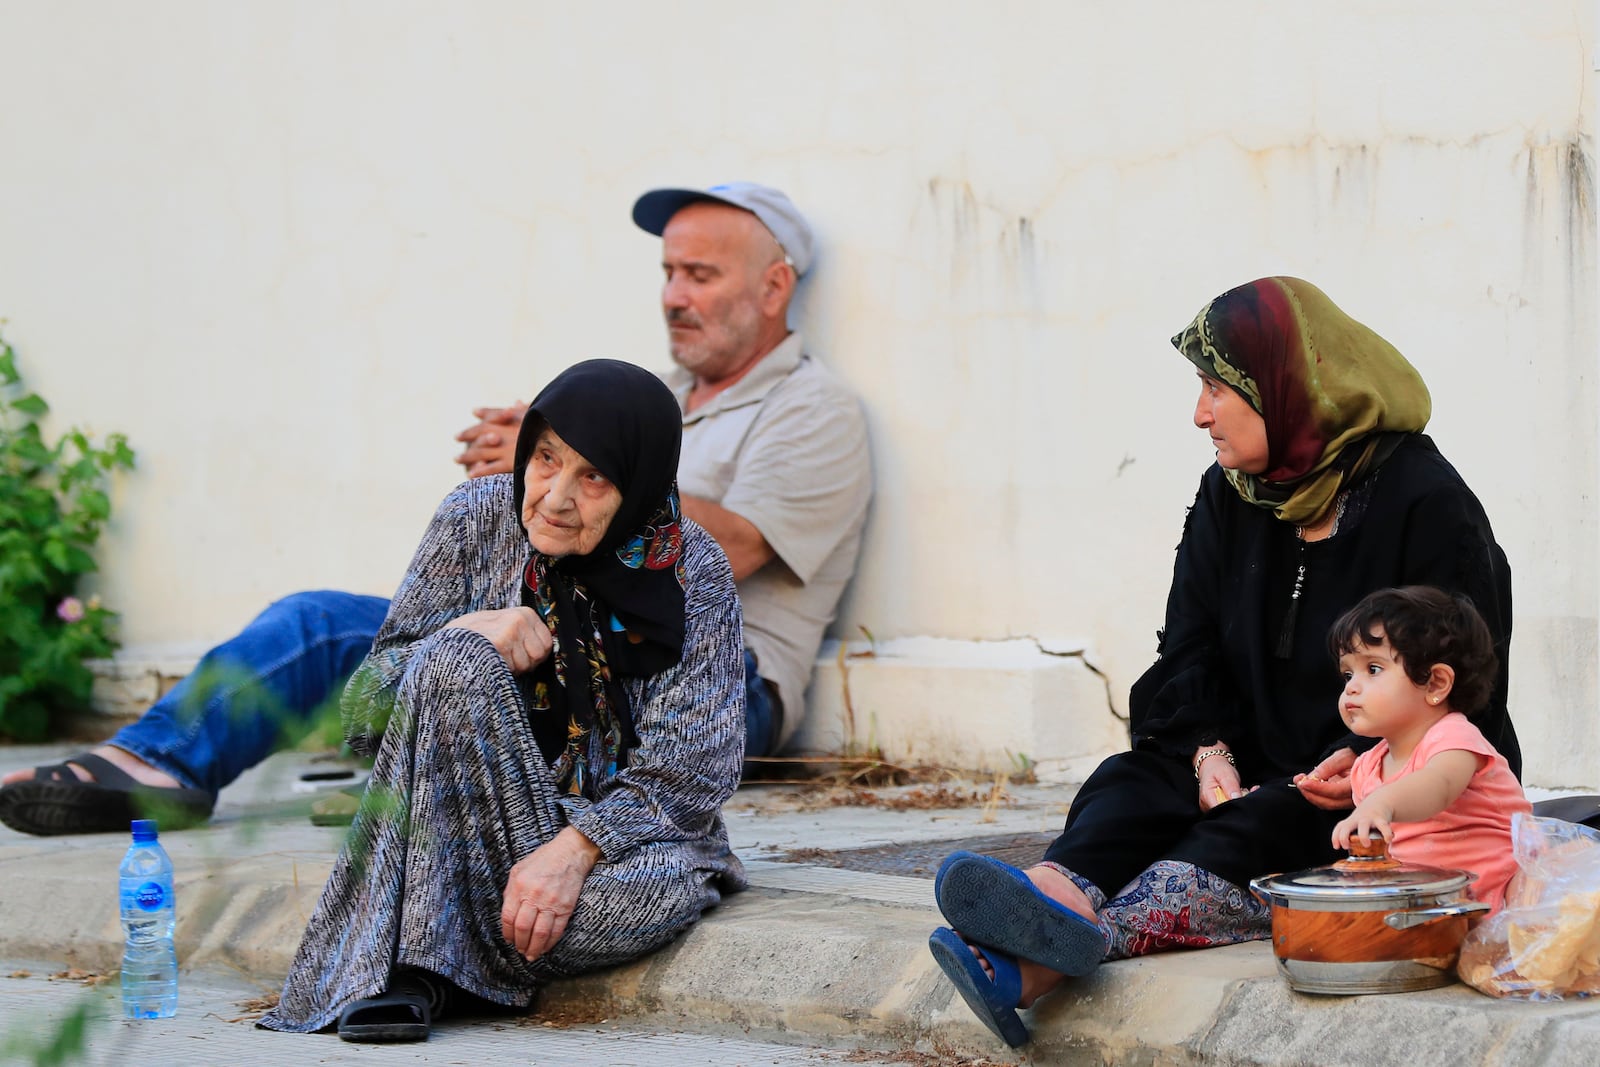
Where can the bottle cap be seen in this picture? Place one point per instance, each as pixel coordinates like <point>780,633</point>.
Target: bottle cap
<point>144,829</point>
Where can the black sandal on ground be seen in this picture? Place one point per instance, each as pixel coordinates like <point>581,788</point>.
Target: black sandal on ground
<point>403,1012</point>
<point>56,801</point>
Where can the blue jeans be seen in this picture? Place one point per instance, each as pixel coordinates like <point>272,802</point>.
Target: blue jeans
<point>260,691</point>
<point>763,713</point>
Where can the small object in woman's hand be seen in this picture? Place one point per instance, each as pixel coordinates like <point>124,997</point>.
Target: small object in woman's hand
<point>1221,796</point>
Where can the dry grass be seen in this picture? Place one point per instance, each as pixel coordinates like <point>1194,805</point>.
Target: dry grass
<point>913,1058</point>
<point>917,798</point>
<point>75,974</point>
<point>835,782</point>
<point>255,1007</point>
<point>568,1015</point>
<point>869,782</point>
<point>825,771</point>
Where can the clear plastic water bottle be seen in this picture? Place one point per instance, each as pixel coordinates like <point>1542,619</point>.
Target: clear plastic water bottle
<point>149,961</point>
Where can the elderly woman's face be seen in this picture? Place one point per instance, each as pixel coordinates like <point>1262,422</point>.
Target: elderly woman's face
<point>1237,432</point>
<point>567,505</point>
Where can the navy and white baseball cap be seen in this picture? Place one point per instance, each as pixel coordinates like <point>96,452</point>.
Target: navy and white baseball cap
<point>777,213</point>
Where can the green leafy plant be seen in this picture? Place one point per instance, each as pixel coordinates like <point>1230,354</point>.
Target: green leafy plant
<point>53,505</point>
<point>53,1046</point>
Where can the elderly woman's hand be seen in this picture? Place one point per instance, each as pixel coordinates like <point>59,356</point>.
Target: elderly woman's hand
<point>542,891</point>
<point>1328,784</point>
<point>518,634</point>
<point>1219,781</point>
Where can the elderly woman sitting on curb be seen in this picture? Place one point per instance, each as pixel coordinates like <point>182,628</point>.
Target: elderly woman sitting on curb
<point>556,704</point>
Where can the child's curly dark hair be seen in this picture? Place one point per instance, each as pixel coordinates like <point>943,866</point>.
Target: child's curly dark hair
<point>1424,626</point>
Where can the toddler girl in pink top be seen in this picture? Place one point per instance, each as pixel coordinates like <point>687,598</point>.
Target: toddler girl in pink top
<point>1417,664</point>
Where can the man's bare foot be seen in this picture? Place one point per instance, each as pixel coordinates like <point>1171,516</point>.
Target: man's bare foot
<point>136,768</point>
<point>1037,980</point>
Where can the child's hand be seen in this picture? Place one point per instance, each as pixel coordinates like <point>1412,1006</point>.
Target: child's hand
<point>1361,822</point>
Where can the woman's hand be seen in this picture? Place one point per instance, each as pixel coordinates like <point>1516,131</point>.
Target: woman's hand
<point>1219,781</point>
<point>518,634</point>
<point>542,891</point>
<point>1328,784</point>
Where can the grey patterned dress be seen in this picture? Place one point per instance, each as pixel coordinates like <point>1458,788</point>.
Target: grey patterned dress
<point>460,790</point>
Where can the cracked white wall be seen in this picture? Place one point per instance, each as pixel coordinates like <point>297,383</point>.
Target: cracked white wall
<point>287,246</point>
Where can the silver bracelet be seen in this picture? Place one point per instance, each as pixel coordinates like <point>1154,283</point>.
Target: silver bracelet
<point>1202,756</point>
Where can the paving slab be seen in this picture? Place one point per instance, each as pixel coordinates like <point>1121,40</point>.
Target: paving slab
<point>811,953</point>
<point>215,1024</point>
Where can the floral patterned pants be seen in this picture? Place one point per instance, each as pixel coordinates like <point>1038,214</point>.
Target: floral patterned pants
<point>1174,905</point>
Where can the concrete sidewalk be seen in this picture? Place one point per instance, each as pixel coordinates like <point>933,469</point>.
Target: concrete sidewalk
<point>813,952</point>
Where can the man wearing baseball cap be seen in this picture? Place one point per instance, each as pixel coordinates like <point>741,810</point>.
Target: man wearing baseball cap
<point>775,462</point>
<point>774,465</point>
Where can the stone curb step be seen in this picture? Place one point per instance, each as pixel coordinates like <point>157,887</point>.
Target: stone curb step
<point>833,956</point>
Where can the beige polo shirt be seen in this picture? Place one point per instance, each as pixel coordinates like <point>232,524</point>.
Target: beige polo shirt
<point>785,447</point>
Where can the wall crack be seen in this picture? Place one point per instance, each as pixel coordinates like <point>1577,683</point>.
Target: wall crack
<point>1082,654</point>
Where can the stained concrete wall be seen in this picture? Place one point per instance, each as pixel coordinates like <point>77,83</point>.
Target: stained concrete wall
<point>285,246</point>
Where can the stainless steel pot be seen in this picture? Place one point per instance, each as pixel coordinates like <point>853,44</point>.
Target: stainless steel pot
<point>1368,924</point>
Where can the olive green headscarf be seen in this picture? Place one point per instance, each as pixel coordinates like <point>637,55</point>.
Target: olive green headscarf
<point>1335,396</point>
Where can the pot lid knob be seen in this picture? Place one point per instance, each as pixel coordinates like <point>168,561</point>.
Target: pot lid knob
<point>1368,854</point>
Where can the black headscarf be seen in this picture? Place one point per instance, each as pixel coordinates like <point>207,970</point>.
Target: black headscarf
<point>617,611</point>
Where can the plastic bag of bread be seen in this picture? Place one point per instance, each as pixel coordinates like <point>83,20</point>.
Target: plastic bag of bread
<point>1545,943</point>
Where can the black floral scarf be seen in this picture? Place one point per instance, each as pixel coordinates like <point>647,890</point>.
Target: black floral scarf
<point>617,611</point>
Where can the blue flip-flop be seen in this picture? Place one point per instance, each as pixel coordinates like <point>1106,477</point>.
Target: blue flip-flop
<point>995,905</point>
<point>992,1000</point>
